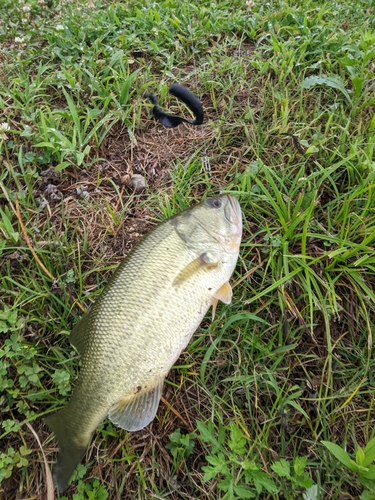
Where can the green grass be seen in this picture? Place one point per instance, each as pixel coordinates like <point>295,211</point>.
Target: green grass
<point>288,93</point>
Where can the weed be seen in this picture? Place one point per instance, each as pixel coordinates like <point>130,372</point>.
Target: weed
<point>233,460</point>
<point>89,491</point>
<point>181,447</point>
<point>361,465</point>
<point>12,458</point>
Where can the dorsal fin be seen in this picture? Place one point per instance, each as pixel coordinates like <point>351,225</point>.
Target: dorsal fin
<point>77,335</point>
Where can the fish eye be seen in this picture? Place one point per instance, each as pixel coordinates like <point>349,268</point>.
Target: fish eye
<point>213,202</point>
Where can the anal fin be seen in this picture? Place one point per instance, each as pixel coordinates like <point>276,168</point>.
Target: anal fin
<point>135,414</point>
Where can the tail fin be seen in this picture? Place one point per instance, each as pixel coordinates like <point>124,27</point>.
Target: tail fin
<point>72,449</point>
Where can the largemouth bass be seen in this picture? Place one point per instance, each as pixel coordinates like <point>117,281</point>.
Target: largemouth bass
<point>144,318</point>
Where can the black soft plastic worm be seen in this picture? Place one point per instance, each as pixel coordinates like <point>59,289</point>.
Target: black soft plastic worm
<point>184,95</point>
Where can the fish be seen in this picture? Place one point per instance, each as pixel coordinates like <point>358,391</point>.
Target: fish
<point>142,321</point>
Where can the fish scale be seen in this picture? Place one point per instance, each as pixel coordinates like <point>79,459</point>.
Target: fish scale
<point>144,318</point>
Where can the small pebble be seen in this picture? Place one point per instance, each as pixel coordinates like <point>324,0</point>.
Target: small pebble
<point>138,182</point>
<point>53,193</point>
<point>83,191</point>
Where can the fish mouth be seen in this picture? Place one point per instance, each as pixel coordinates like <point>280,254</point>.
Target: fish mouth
<point>233,212</point>
<point>233,215</point>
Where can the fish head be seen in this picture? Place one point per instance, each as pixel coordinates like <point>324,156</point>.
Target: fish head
<point>214,222</point>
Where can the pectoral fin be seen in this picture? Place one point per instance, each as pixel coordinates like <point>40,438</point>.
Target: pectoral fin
<point>205,261</point>
<point>224,294</point>
<point>135,414</point>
